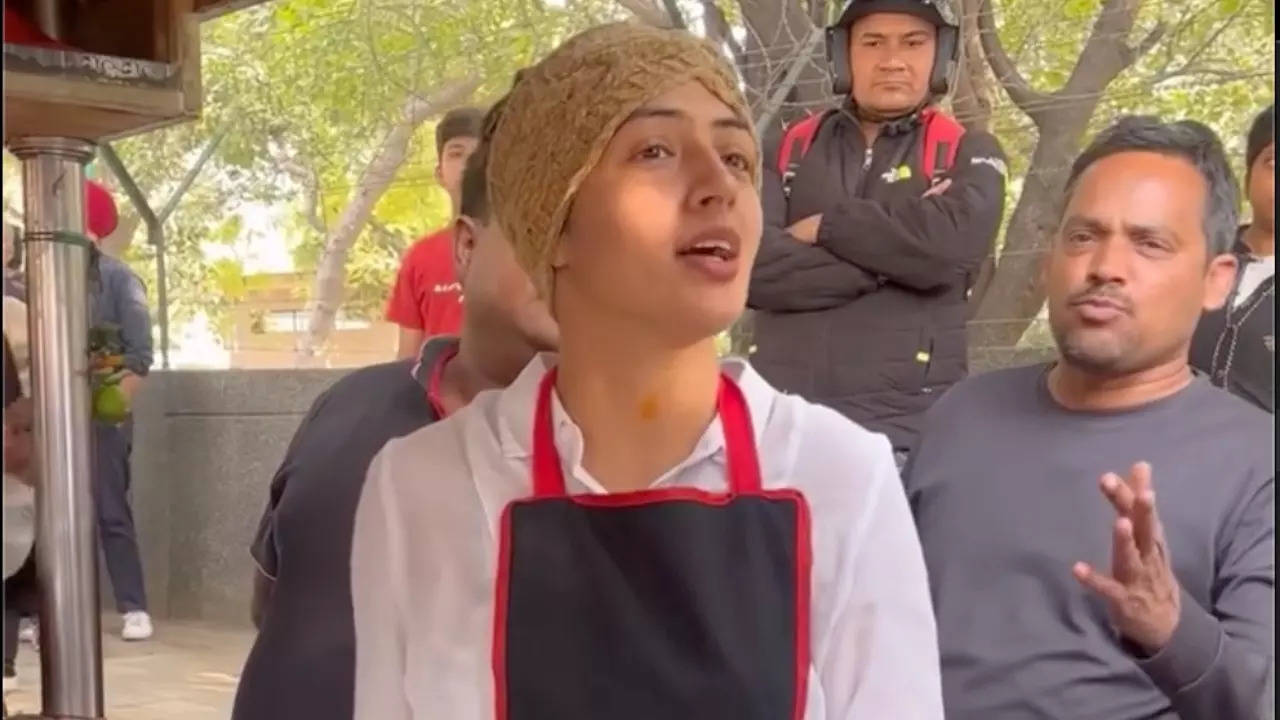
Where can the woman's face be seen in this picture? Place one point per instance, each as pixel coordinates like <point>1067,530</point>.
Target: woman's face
<point>664,230</point>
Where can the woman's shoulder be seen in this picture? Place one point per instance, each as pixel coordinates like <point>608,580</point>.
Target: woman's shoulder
<point>439,450</point>
<point>806,427</point>
<point>815,448</point>
<point>836,459</point>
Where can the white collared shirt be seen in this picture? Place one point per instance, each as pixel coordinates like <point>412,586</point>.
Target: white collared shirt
<point>423,564</point>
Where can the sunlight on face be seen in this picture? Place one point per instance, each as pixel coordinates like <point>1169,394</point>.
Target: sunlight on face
<point>665,228</point>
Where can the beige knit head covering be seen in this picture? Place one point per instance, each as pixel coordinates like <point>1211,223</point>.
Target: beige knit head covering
<point>550,130</point>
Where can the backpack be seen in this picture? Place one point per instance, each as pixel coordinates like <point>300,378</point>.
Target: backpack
<point>941,142</point>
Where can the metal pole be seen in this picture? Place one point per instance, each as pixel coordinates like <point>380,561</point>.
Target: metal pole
<point>66,537</point>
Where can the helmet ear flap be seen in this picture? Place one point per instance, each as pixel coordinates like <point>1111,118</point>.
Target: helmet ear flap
<point>838,60</point>
<point>945,60</point>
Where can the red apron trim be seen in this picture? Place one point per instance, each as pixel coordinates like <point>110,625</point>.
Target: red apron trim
<point>744,478</point>
<point>437,376</point>
<point>500,598</point>
<point>804,574</point>
<point>735,418</point>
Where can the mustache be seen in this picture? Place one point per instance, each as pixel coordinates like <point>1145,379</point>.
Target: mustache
<point>1108,294</point>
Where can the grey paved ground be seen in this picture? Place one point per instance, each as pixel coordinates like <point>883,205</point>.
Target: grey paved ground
<point>187,671</point>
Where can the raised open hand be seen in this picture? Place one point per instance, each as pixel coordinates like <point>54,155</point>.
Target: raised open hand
<point>1141,591</point>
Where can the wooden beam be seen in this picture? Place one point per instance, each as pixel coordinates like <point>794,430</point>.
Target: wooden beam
<point>210,9</point>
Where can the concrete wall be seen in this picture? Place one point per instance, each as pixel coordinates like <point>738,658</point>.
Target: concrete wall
<point>206,445</point>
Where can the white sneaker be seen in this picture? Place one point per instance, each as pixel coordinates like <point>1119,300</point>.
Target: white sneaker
<point>28,632</point>
<point>137,626</point>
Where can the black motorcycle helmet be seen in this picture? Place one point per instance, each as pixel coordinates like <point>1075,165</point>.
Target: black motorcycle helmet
<point>940,13</point>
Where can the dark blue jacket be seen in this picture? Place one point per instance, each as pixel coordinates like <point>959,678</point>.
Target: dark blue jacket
<point>117,297</point>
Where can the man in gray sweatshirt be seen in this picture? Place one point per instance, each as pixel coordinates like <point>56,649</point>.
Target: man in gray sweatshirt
<point>1100,531</point>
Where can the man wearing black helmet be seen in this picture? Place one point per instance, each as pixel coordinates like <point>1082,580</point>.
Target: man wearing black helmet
<point>877,217</point>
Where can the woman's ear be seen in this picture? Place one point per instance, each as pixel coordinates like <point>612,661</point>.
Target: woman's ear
<point>464,245</point>
<point>560,256</point>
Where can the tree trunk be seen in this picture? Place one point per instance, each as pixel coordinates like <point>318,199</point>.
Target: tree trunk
<point>1014,294</point>
<point>650,12</point>
<point>1012,298</point>
<point>330,283</point>
<point>776,30</point>
<point>974,94</point>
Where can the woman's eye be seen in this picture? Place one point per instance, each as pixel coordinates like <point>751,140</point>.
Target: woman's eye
<point>738,161</point>
<point>654,152</point>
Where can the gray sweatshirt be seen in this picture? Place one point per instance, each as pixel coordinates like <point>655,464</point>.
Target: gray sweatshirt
<point>1004,488</point>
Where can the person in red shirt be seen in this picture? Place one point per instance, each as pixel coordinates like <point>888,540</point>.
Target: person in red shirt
<point>427,299</point>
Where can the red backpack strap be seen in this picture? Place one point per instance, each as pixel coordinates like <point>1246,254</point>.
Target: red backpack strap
<point>795,144</point>
<point>941,143</point>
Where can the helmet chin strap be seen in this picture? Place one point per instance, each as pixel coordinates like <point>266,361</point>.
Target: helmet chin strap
<point>873,116</point>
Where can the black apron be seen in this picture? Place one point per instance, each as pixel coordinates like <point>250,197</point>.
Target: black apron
<point>666,604</point>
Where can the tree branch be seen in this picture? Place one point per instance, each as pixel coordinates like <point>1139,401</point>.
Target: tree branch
<point>647,12</point>
<point>1107,52</point>
<point>718,30</point>
<point>798,62</point>
<point>673,12</point>
<point>1015,85</point>
<point>330,277</point>
<point>394,238</point>
<point>310,181</point>
<point>1186,68</point>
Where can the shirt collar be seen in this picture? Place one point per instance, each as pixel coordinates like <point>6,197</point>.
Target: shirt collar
<point>516,404</point>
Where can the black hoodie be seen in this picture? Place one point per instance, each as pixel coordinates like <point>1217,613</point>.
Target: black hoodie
<point>871,319</point>
<point>1235,346</point>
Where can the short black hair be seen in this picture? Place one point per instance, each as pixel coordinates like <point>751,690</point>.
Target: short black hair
<point>475,185</point>
<point>463,122</point>
<point>1185,139</point>
<point>1261,134</point>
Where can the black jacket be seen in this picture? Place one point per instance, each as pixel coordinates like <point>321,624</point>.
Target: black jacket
<point>871,319</point>
<point>1235,346</point>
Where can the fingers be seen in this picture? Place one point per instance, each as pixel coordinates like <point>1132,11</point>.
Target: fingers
<point>1126,562</point>
<point>1102,584</point>
<point>1118,492</point>
<point>1142,508</point>
<point>1145,523</point>
<point>938,189</point>
<point>1139,479</point>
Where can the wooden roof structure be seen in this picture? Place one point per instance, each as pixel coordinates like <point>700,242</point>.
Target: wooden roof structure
<point>118,67</point>
<point>209,9</point>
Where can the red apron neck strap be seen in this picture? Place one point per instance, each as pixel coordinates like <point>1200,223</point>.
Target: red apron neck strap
<point>548,478</point>
<point>735,417</point>
<point>739,438</point>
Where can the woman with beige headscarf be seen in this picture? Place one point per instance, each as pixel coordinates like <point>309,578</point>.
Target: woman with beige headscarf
<point>602,538</point>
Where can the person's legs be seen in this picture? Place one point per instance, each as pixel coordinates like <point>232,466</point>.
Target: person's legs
<point>115,517</point>
<point>21,596</point>
<point>10,636</point>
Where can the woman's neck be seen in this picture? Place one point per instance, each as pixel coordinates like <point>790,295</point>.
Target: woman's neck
<point>1075,389</point>
<point>641,410</point>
